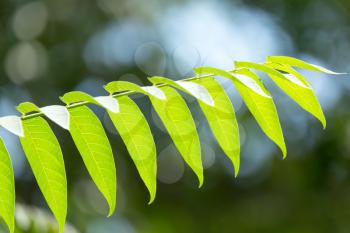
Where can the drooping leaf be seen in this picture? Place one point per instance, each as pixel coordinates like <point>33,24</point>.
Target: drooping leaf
<point>222,120</point>
<point>95,149</point>
<point>294,85</point>
<point>7,188</point>
<point>136,134</point>
<point>180,125</point>
<point>291,61</point>
<point>46,160</point>
<point>261,106</point>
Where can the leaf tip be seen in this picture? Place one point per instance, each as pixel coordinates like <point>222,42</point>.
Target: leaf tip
<point>152,198</point>
<point>236,165</point>
<point>111,208</point>
<point>111,212</point>
<point>284,156</point>
<point>322,120</point>
<point>324,123</point>
<point>236,170</point>
<point>201,181</point>
<point>284,152</point>
<point>152,195</point>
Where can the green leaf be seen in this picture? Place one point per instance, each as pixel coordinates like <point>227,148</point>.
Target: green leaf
<point>296,87</point>
<point>262,107</point>
<point>222,120</point>
<point>95,149</point>
<point>78,97</point>
<point>136,134</point>
<point>180,125</point>
<point>45,158</point>
<point>291,61</point>
<point>7,188</point>
<point>27,107</point>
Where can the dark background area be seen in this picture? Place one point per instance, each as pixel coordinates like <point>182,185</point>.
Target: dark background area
<point>51,47</point>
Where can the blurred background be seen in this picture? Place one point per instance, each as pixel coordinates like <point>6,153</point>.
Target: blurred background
<point>51,47</point>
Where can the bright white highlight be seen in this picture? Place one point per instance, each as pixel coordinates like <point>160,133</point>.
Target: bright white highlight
<point>324,70</point>
<point>155,91</point>
<point>58,114</point>
<point>251,84</point>
<point>13,124</point>
<point>197,91</point>
<point>109,103</point>
<point>295,80</point>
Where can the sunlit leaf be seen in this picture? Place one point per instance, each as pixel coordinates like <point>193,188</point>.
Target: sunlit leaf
<point>291,61</point>
<point>298,88</point>
<point>7,188</point>
<point>136,134</point>
<point>45,158</point>
<point>95,149</point>
<point>180,125</point>
<point>262,107</point>
<point>222,120</point>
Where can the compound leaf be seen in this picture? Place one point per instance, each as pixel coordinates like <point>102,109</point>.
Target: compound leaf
<point>7,188</point>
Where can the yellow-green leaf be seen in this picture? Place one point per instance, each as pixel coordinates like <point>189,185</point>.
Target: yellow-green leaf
<point>95,149</point>
<point>7,188</point>
<point>180,125</point>
<point>137,136</point>
<point>296,87</point>
<point>45,158</point>
<point>262,107</point>
<point>222,120</point>
<point>291,61</point>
